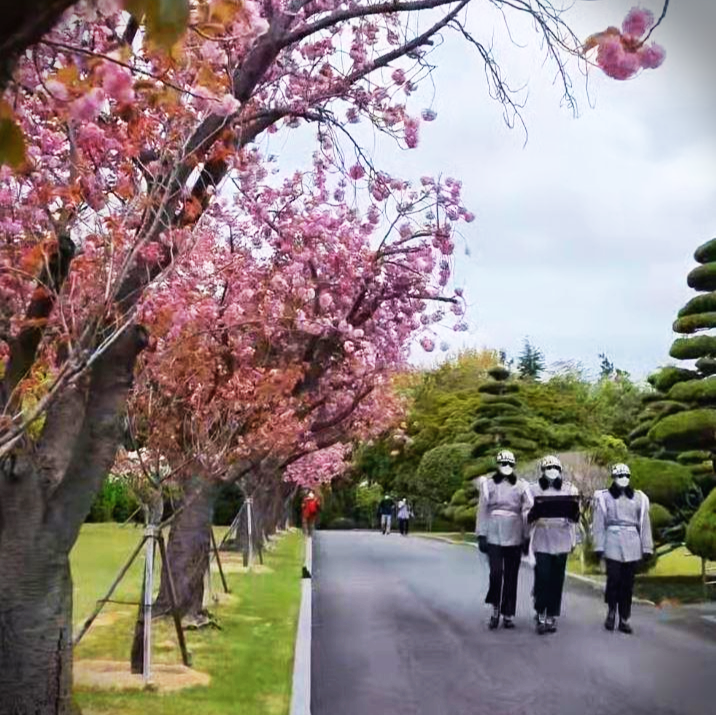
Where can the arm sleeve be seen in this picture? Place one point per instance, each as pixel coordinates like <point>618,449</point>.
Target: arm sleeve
<point>598,525</point>
<point>647,540</point>
<point>527,504</point>
<point>483,515</point>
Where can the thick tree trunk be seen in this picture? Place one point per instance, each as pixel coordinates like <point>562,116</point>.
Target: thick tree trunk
<point>188,551</point>
<point>45,494</point>
<point>35,631</point>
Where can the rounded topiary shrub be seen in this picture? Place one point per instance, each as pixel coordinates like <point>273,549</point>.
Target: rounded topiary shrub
<point>691,323</point>
<point>665,483</point>
<point>706,252</point>
<point>694,456</point>
<point>459,498</point>
<point>700,391</point>
<point>498,388</point>
<point>692,429</point>
<point>641,430</point>
<point>692,348</point>
<point>465,517</point>
<point>505,399</point>
<point>706,365</point>
<point>664,379</point>
<point>499,373</point>
<point>641,445</point>
<point>701,531</point>
<point>702,277</point>
<point>704,303</point>
<point>480,467</point>
<point>660,518</point>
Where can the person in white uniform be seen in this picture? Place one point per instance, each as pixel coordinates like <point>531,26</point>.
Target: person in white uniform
<point>501,530</point>
<point>553,536</point>
<point>621,531</point>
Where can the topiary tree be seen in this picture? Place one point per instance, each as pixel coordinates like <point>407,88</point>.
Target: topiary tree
<point>440,474</point>
<point>687,424</point>
<point>664,482</point>
<point>701,532</point>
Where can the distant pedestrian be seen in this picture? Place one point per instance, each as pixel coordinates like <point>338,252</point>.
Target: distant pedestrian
<point>553,535</point>
<point>404,515</point>
<point>309,511</point>
<point>502,534</point>
<point>621,531</point>
<point>385,512</point>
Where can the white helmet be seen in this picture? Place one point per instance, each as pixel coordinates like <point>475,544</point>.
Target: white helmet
<point>620,470</point>
<point>506,457</point>
<point>550,462</point>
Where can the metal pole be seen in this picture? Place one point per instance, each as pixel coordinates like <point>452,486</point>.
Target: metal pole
<point>249,519</point>
<point>218,561</point>
<point>150,533</point>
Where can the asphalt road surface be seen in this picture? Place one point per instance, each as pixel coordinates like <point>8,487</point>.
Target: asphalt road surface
<point>399,627</point>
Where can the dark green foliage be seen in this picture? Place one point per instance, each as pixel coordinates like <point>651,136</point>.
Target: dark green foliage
<point>485,465</point>
<point>499,373</point>
<point>665,407</point>
<point>693,429</point>
<point>465,517</point>
<point>650,397</point>
<point>706,252</point>
<point>698,391</point>
<point>660,518</point>
<point>703,277</point>
<point>227,505</point>
<point>530,363</point>
<point>663,380</point>
<point>666,483</point>
<point>695,456</point>
<point>498,388</point>
<point>692,348</point>
<point>440,472</point>
<point>706,365</point>
<point>497,408</point>
<point>642,445</point>
<point>459,498</point>
<point>640,430</point>
<point>692,323</point>
<point>523,445</point>
<point>701,532</point>
<point>704,303</point>
<point>114,502</point>
<point>502,399</point>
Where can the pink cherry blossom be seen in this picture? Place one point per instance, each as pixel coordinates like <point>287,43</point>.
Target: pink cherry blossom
<point>637,21</point>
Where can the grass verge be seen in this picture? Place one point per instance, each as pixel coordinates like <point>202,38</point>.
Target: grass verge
<point>250,660</point>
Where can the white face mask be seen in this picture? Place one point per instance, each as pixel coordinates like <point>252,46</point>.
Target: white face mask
<point>505,470</point>
<point>622,482</point>
<point>552,473</point>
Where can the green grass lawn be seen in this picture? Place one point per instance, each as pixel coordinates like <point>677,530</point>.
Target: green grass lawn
<point>250,660</point>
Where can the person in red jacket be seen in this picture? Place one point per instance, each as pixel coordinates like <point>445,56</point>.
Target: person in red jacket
<point>309,512</point>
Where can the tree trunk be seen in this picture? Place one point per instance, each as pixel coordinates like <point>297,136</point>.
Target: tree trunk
<point>35,633</point>
<point>188,551</point>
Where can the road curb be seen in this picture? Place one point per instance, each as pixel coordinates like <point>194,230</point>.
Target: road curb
<point>599,586</point>
<point>301,686</point>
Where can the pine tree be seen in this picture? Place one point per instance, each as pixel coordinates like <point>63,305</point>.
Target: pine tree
<point>690,429</point>
<point>531,363</point>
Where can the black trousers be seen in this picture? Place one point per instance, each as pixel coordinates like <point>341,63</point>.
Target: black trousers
<point>620,586</point>
<point>504,570</point>
<point>549,582</point>
<point>403,526</point>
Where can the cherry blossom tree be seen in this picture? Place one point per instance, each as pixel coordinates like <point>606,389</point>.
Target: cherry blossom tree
<point>123,153</point>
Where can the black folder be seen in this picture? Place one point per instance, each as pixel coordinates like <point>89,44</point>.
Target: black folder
<point>561,507</point>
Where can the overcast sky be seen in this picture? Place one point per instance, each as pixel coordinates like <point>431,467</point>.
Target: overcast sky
<point>584,235</point>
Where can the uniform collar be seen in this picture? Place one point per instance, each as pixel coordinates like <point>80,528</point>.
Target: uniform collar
<point>512,479</point>
<point>616,491</point>
<point>546,484</point>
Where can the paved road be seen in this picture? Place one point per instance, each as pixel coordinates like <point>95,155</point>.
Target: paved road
<point>399,628</point>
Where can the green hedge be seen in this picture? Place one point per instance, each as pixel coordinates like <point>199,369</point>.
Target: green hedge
<point>465,517</point>
<point>693,429</point>
<point>499,373</point>
<point>498,388</point>
<point>660,518</point>
<point>704,303</point>
<point>694,456</point>
<point>692,348</point>
<point>702,277</point>
<point>706,252</point>
<point>701,531</point>
<point>665,483</point>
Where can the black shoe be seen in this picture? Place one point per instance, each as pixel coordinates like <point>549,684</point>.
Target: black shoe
<point>494,622</point>
<point>611,618</point>
<point>541,628</point>
<point>624,627</point>
<point>507,622</point>
<point>551,625</point>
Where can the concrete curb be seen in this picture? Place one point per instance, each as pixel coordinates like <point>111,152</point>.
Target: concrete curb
<point>301,687</point>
